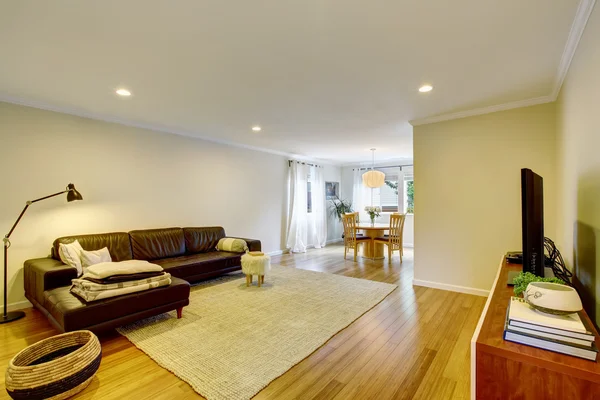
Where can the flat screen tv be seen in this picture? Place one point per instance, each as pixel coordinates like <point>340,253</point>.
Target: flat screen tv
<point>532,213</point>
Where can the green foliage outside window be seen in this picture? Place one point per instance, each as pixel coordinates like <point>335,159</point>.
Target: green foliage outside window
<point>410,194</point>
<point>393,185</point>
<point>410,197</point>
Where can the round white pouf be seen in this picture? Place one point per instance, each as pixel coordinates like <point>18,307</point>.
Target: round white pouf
<point>255,265</point>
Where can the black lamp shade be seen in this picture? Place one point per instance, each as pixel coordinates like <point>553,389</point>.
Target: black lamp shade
<point>73,194</point>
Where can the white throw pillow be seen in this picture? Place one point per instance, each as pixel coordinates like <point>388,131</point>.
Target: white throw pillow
<point>129,267</point>
<point>89,258</point>
<point>70,254</point>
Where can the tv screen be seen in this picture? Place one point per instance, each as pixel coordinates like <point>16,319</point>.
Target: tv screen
<point>532,213</point>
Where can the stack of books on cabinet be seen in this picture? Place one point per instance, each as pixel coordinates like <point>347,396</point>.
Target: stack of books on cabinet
<point>560,333</point>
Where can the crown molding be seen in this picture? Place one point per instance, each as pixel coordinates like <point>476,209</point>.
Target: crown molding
<point>155,128</point>
<point>380,163</point>
<point>483,110</point>
<point>582,15</point>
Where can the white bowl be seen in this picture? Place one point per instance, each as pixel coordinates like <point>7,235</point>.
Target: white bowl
<point>552,298</point>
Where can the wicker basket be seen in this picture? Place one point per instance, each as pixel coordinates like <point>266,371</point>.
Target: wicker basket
<point>54,368</point>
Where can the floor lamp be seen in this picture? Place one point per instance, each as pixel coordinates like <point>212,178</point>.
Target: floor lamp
<point>72,195</point>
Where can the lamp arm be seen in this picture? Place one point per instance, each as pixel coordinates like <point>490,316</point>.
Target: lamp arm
<point>47,197</point>
<point>6,241</point>
<point>27,204</point>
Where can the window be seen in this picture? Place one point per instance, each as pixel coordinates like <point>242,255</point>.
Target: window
<point>409,196</point>
<point>388,194</point>
<point>397,195</point>
<point>409,191</point>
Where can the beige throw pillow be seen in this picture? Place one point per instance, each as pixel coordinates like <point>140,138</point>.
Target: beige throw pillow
<point>233,245</point>
<point>89,258</point>
<point>70,254</point>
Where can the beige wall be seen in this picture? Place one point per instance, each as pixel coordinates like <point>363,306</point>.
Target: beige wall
<point>467,191</point>
<point>130,179</point>
<point>578,150</point>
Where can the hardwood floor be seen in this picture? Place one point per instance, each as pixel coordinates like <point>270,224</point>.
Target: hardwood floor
<point>412,345</point>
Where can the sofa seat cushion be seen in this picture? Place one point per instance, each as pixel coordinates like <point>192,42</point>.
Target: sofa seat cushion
<point>72,313</point>
<point>199,264</point>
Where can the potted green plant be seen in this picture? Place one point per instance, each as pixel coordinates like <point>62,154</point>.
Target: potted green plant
<point>339,207</point>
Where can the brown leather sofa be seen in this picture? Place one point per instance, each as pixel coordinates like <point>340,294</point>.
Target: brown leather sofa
<point>188,254</point>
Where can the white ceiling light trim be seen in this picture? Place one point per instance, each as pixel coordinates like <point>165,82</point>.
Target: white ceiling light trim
<point>425,88</point>
<point>123,92</point>
<point>584,10</point>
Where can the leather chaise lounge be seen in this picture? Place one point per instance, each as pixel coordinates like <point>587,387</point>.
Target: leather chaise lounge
<point>188,254</point>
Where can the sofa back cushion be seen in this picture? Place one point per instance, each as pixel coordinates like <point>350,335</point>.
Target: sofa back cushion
<point>154,244</point>
<point>201,240</point>
<point>118,244</point>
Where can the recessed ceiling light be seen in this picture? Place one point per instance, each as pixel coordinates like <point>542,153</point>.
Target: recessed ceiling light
<point>425,88</point>
<point>256,128</point>
<point>123,92</point>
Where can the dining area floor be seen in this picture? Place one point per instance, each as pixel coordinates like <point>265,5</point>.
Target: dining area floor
<point>330,259</point>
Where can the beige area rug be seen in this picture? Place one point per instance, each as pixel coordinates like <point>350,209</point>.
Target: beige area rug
<point>234,340</point>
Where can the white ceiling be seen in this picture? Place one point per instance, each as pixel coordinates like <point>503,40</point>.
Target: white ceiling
<point>325,79</point>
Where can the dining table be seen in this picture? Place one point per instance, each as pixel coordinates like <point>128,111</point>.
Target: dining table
<point>373,250</point>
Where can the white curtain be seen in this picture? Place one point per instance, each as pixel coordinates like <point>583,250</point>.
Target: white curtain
<point>319,228</point>
<point>297,236</point>
<point>361,195</point>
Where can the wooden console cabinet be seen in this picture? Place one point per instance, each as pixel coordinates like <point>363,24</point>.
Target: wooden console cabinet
<point>506,370</point>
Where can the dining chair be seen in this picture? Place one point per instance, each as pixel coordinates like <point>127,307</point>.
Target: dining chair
<point>353,213</point>
<point>356,217</point>
<point>394,239</point>
<point>351,239</point>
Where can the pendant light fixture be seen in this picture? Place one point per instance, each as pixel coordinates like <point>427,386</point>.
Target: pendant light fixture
<point>372,178</point>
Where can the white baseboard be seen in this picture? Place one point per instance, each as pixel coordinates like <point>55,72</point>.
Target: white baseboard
<point>310,246</point>
<point>452,288</point>
<point>19,305</point>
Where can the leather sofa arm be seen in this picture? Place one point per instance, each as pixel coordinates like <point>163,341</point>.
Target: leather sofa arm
<point>253,244</point>
<point>42,274</point>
